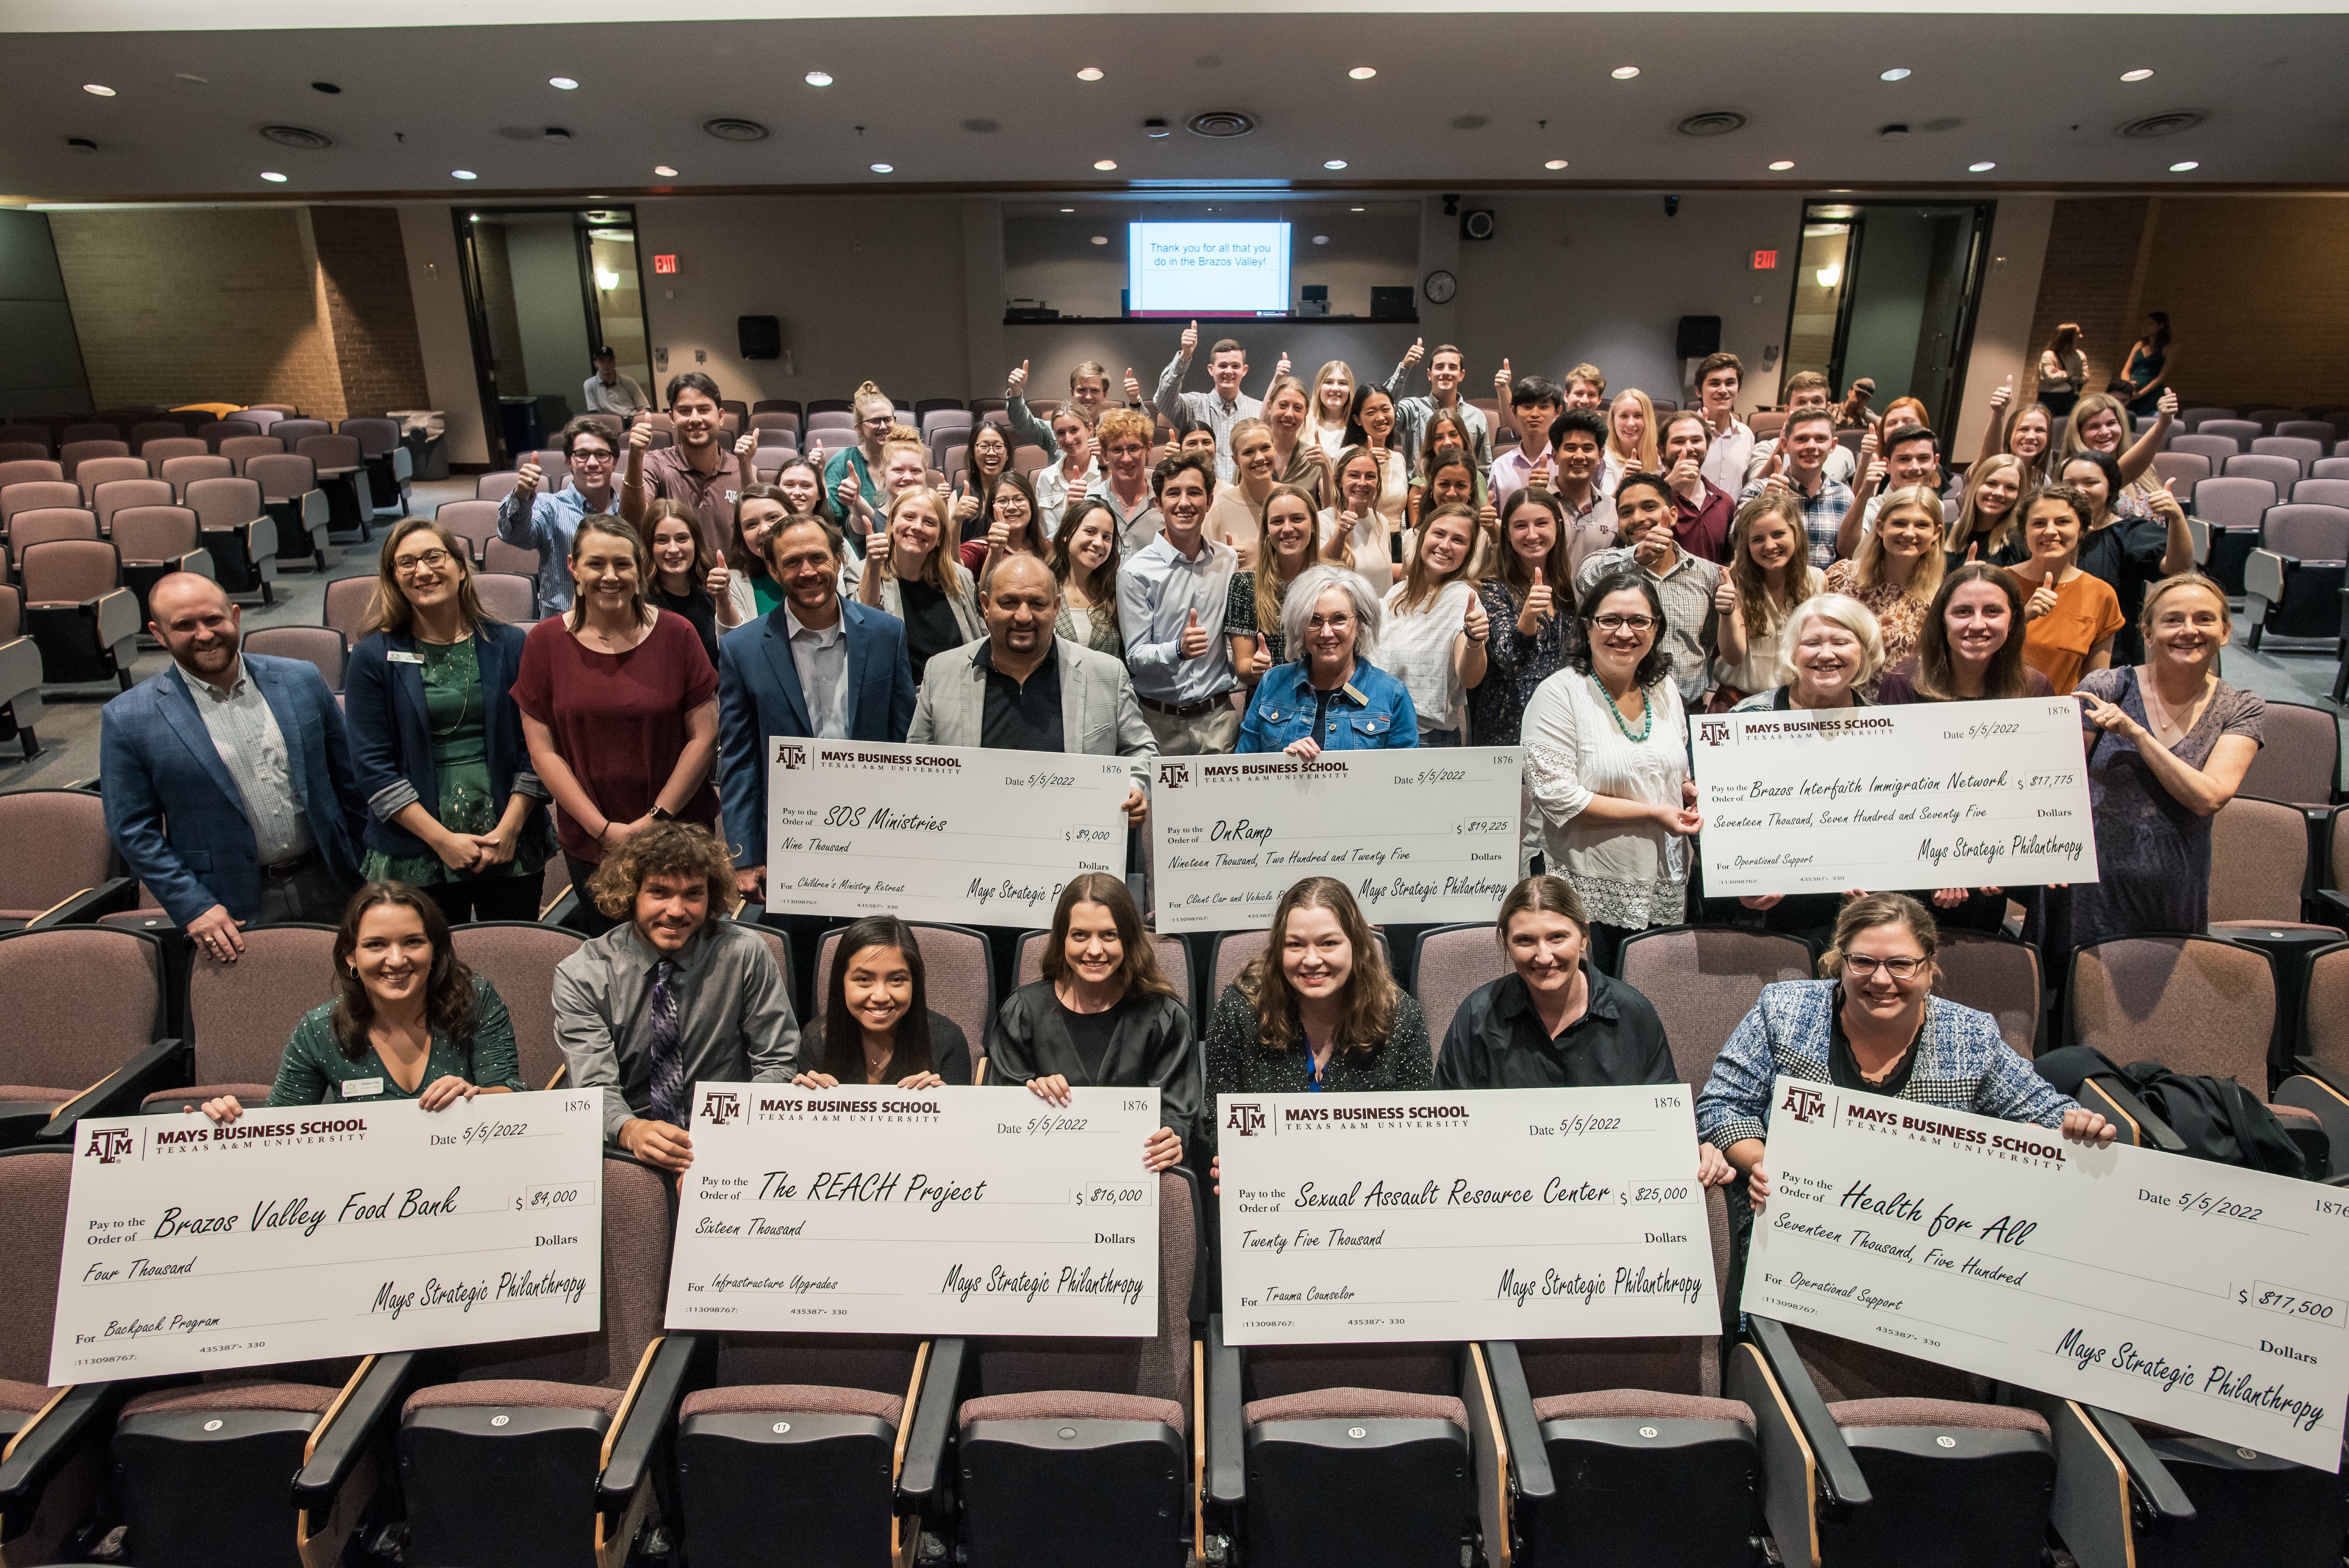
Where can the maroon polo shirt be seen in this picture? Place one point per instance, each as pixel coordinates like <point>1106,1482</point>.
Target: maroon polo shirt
<point>1703,530</point>
<point>669,477</point>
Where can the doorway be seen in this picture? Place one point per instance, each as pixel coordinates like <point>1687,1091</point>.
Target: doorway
<point>544,286</point>
<point>1890,290</point>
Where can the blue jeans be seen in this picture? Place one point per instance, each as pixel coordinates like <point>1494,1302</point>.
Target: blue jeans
<point>1439,738</point>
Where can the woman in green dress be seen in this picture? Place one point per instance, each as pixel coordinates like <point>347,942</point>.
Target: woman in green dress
<point>436,742</point>
<point>410,1021</point>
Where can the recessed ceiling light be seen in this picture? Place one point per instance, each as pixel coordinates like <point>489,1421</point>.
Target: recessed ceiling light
<point>1067,208</point>
<point>1101,239</point>
<point>462,174</point>
<point>1320,238</point>
<point>1090,74</point>
<point>1624,73</point>
<point>2139,75</point>
<point>884,169</point>
<point>1364,73</point>
<point>568,84</point>
<point>97,89</point>
<point>2186,168</point>
<point>1783,164</point>
<point>819,79</point>
<point>1358,209</point>
<point>1333,164</point>
<point>664,171</point>
<point>1104,163</point>
<point>1896,74</point>
<point>272,177</point>
<point>1982,168</point>
<point>1555,163</point>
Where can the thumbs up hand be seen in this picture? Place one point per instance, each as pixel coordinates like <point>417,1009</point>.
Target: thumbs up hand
<point>1415,353</point>
<point>1132,387</point>
<point>1539,607</point>
<point>1016,382</point>
<point>1194,638</point>
<point>1190,340</point>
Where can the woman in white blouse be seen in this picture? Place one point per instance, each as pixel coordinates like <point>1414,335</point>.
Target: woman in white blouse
<point>1433,640</point>
<point>1605,744</point>
<point>1333,398</point>
<point>1059,483</point>
<point>1370,423</point>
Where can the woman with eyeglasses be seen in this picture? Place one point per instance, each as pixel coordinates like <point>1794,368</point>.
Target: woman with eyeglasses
<point>987,460</point>
<point>1874,1026</point>
<point>1014,527</point>
<point>1329,696</point>
<point>851,476</point>
<point>1607,764</point>
<point>437,743</point>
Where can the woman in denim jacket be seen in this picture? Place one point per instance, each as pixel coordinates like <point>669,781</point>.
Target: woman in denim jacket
<point>1331,698</point>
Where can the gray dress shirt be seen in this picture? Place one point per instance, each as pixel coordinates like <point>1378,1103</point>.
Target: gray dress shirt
<point>822,659</point>
<point>734,1018</point>
<point>1207,407</point>
<point>252,747</point>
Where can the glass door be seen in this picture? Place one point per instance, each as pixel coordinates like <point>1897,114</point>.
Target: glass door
<point>1890,290</point>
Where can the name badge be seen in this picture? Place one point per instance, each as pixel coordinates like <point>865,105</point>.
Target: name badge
<point>397,657</point>
<point>362,1089</point>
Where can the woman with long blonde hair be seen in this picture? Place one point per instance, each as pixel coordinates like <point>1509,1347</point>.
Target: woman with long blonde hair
<point>1896,571</point>
<point>914,573</point>
<point>1769,574</point>
<point>1631,438</point>
<point>1333,398</point>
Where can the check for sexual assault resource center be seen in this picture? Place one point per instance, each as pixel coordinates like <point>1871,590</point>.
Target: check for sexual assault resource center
<point>1950,794</point>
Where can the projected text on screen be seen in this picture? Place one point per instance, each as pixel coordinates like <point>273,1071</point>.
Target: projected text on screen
<point>1207,269</point>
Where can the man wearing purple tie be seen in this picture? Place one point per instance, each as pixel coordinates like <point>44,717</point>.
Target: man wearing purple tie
<point>673,996</point>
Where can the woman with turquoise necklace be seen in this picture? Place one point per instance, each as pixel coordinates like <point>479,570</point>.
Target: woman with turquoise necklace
<point>1606,745</point>
<point>436,742</point>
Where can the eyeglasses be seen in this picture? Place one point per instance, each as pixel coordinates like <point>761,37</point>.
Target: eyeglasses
<point>1329,623</point>
<point>588,455</point>
<point>1859,966</point>
<point>1626,623</point>
<point>880,419</point>
<point>430,561</point>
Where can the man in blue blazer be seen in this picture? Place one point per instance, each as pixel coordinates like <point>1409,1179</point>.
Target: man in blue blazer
<point>227,777</point>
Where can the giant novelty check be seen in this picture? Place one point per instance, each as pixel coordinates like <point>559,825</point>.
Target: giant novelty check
<point>948,834</point>
<point>1532,1213</point>
<point>1421,837</point>
<point>2199,1295</point>
<point>887,1211</point>
<point>328,1230</point>
<point>1946,794</point>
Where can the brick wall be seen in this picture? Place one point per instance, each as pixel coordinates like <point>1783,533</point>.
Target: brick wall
<point>2257,289</point>
<point>363,278</point>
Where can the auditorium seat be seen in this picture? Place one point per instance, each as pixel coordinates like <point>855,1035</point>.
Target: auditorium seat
<point>1450,963</point>
<point>2212,450</point>
<point>2281,472</point>
<point>776,405</point>
<point>152,542</point>
<point>553,468</point>
<point>320,647</point>
<point>83,1034</point>
<point>57,866</point>
<point>73,454</point>
<point>2297,448</point>
<point>1124,1485</point>
<point>2321,492</point>
<point>36,495</point>
<point>290,496</point>
<point>1994,973</point>
<point>2299,762</point>
<point>85,622</point>
<point>241,449</point>
<point>2239,429</point>
<point>519,958</point>
<point>113,496</point>
<point>147,430</point>
<point>240,533</point>
<point>342,475</point>
<point>24,435</point>
<point>43,524</point>
<point>266,415</point>
<point>220,430</point>
<point>1623,1453</point>
<point>494,486</point>
<point>345,605</point>
<point>473,522</point>
<point>2180,471</point>
<point>86,428</point>
<point>2293,581</point>
<point>1703,979</point>
<point>958,976</point>
<point>181,471</point>
<point>390,465</point>
<point>507,596</point>
<point>96,472</point>
<point>2233,506</point>
<point>292,431</point>
<point>497,555</point>
<point>20,674</point>
<point>240,1015</point>
<point>30,471</point>
<point>2320,431</point>
<point>2260,865</point>
<point>542,1451</point>
<point>1395,1430</point>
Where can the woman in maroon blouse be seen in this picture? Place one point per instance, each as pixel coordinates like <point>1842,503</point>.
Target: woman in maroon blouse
<point>619,705</point>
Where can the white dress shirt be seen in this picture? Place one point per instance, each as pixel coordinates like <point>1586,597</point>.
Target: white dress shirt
<point>1051,484</point>
<point>1725,455</point>
<point>1157,589</point>
<point>820,657</point>
<point>253,749</point>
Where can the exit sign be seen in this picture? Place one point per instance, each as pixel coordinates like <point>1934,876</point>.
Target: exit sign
<point>668,264</point>
<point>1763,261</point>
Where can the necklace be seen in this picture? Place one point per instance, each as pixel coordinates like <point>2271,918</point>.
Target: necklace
<point>1647,713</point>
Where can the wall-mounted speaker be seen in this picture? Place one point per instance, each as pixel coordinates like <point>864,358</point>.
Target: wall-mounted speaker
<point>762,336</point>
<point>1699,336</point>
<point>1477,223</point>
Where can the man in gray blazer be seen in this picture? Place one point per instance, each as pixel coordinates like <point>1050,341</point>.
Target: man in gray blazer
<point>1022,688</point>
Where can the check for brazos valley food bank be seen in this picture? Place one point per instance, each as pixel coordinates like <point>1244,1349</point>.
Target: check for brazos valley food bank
<point>1946,794</point>
<point>950,833</point>
<point>1420,836</point>
<point>325,1231</point>
<point>2202,1296</point>
<point>887,1211</point>
<point>1533,1213</point>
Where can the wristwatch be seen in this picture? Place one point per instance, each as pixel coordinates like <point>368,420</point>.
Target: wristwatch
<point>661,814</point>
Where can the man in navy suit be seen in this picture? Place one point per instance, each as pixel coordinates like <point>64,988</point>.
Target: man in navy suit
<point>816,666</point>
<point>227,777</point>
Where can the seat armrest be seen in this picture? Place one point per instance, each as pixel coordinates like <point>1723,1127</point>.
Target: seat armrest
<point>2105,1094</point>
<point>84,1413</point>
<point>2331,1078</point>
<point>109,897</point>
<point>120,1092</point>
<point>1839,1481</point>
<point>922,1480</point>
<point>1513,1402</point>
<point>341,1440</point>
<point>1226,1419</point>
<point>2337,901</point>
<point>647,1418</point>
<point>2151,1486</point>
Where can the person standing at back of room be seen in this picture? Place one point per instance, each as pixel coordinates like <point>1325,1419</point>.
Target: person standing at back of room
<point>1446,371</point>
<point>1220,410</point>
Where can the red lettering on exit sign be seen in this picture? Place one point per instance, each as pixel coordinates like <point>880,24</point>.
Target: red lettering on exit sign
<point>1765,261</point>
<point>668,264</point>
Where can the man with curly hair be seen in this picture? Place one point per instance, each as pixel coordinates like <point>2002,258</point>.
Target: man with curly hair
<point>671,996</point>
